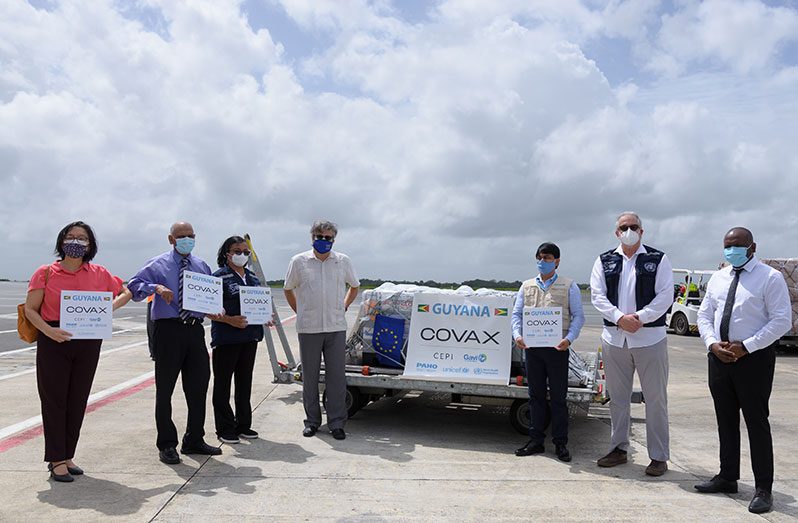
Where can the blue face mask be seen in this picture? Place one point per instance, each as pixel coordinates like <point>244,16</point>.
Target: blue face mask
<point>737,256</point>
<point>546,267</point>
<point>184,245</point>
<point>322,246</point>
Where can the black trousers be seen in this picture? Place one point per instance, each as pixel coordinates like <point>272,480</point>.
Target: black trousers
<point>180,349</point>
<point>548,365</point>
<point>744,385</point>
<point>64,374</point>
<point>150,329</point>
<point>233,361</point>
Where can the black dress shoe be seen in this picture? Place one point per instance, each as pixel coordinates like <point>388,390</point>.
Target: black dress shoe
<point>530,448</point>
<point>562,453</point>
<point>247,434</point>
<point>75,471</point>
<point>309,432</point>
<point>63,478</point>
<point>717,484</point>
<point>169,456</point>
<point>338,433</point>
<point>762,502</point>
<point>201,448</point>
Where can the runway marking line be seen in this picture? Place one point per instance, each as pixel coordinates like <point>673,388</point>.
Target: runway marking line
<point>22,432</point>
<point>102,353</point>
<point>19,433</point>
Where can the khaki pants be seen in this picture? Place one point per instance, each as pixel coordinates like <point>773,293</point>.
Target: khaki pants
<point>652,368</point>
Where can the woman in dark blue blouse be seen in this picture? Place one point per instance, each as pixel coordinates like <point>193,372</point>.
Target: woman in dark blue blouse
<point>234,343</point>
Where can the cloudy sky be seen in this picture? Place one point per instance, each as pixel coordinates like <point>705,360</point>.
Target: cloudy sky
<point>446,138</point>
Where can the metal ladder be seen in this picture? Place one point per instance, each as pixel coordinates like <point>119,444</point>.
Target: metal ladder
<point>283,373</point>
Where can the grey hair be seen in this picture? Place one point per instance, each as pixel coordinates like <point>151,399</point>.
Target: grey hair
<point>628,213</point>
<point>319,226</point>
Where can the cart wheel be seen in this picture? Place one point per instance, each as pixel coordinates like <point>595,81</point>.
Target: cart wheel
<point>355,400</point>
<point>521,419</point>
<point>680,324</point>
<point>520,416</point>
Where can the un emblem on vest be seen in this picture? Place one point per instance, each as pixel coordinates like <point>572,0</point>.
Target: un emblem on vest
<point>650,267</point>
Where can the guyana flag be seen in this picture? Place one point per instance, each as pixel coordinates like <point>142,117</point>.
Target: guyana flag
<point>500,312</point>
<point>423,308</point>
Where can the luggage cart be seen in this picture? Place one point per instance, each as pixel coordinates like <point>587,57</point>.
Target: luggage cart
<point>365,384</point>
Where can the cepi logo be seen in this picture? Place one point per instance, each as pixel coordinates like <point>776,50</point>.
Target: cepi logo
<point>481,358</point>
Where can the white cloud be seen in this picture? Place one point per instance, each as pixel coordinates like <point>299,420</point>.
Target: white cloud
<point>744,35</point>
<point>446,148</point>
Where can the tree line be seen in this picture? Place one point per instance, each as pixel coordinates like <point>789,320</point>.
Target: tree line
<point>368,283</point>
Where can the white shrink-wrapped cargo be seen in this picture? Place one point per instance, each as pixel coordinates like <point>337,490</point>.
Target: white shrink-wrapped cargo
<point>789,269</point>
<point>396,301</point>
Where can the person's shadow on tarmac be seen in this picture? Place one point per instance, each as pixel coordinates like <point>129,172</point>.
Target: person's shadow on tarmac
<point>102,495</point>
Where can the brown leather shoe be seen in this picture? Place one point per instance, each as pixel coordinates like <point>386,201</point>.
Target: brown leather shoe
<point>616,457</point>
<point>656,468</point>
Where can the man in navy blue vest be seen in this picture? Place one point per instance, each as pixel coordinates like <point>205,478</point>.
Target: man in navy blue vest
<point>632,287</point>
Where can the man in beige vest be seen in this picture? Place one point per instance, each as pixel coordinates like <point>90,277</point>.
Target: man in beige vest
<point>548,289</point>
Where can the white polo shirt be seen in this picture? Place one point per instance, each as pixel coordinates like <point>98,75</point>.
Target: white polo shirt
<point>320,288</point>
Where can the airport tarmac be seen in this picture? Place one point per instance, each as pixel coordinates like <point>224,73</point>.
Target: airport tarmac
<point>412,458</point>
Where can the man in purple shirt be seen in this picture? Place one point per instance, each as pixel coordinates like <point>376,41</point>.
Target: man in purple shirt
<point>178,344</point>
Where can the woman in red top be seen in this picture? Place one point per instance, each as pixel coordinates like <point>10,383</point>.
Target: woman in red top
<point>65,367</point>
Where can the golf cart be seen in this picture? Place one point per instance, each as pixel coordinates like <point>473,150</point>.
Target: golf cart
<point>689,289</point>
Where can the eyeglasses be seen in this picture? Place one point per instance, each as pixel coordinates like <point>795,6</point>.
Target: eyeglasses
<point>623,228</point>
<point>324,237</point>
<point>79,238</point>
<point>239,251</point>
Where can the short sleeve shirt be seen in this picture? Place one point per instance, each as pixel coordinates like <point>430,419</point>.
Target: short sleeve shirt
<point>320,288</point>
<point>89,277</point>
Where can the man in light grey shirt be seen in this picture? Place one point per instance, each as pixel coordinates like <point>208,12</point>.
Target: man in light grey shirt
<point>315,287</point>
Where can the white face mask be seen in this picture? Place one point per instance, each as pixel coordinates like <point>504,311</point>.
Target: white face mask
<point>629,237</point>
<point>239,259</point>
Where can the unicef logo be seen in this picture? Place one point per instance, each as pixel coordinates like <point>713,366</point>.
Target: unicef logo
<point>650,266</point>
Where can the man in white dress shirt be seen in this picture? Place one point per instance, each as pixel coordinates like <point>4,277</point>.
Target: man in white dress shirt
<point>745,311</point>
<point>632,287</point>
<point>315,287</point>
